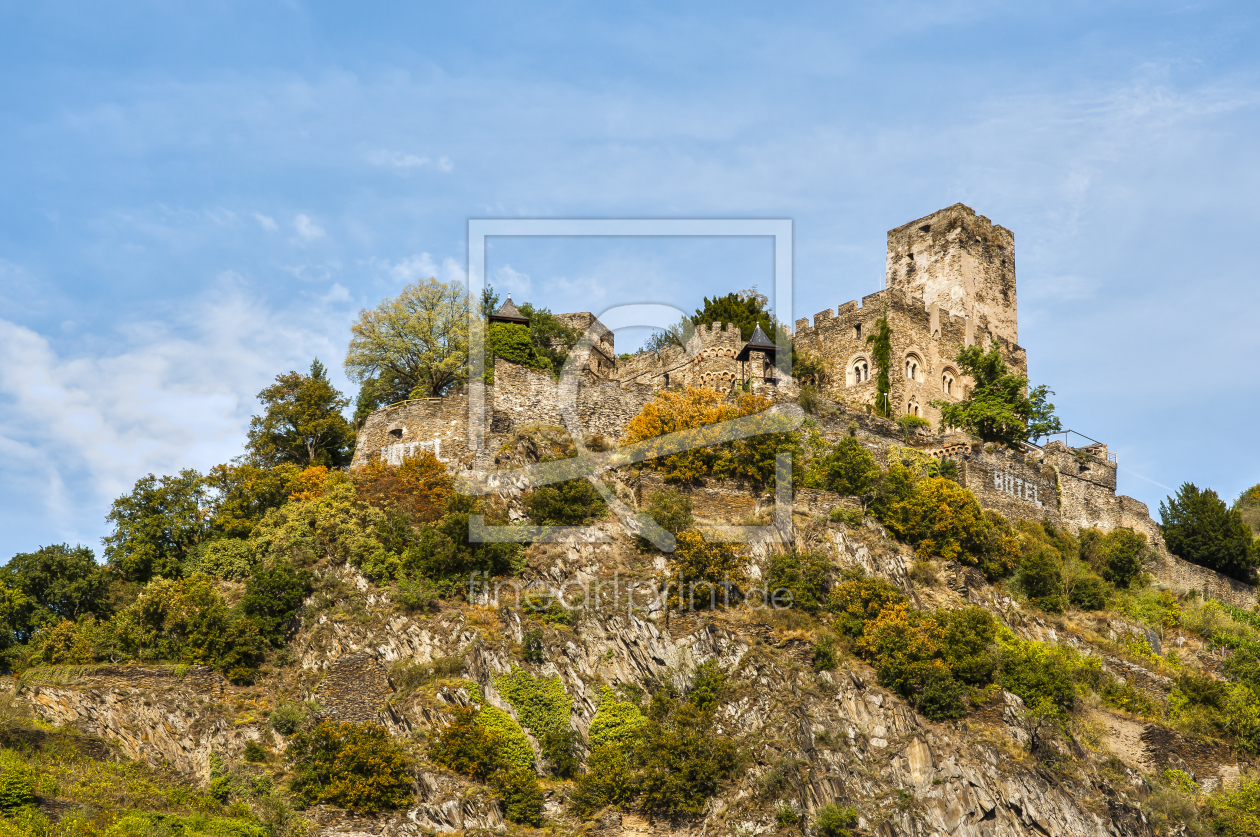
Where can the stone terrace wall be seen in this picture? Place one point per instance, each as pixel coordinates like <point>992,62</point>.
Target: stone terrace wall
<point>355,689</point>
<point>1186,576</point>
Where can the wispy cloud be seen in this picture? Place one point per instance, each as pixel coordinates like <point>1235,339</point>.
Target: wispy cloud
<point>307,229</point>
<point>266,222</point>
<point>404,161</point>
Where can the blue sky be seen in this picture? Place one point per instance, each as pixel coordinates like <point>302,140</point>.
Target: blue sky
<point>197,197</point>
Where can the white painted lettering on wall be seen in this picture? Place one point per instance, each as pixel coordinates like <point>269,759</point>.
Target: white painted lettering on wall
<point>1008,484</point>
<point>395,454</point>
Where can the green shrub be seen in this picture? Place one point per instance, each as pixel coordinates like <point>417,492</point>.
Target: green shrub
<point>273,597</point>
<point>540,703</point>
<point>521,795</point>
<point>617,723</point>
<point>1089,593</point>
<point>702,569</point>
<point>859,599</point>
<point>287,717</point>
<point>468,747</point>
<point>848,469</point>
<point>849,517</point>
<point>785,815</point>
<point>1122,553</point>
<point>354,766</point>
<point>560,749</point>
<point>939,517</point>
<point>1040,576</point>
<point>568,503</point>
<point>417,594</point>
<point>608,780</point>
<point>824,654</point>
<point>15,788</point>
<point>255,752</point>
<point>835,821</point>
<point>681,762</point>
<point>1036,672</point>
<point>806,575</point>
<point>671,509</point>
<point>1236,812</point>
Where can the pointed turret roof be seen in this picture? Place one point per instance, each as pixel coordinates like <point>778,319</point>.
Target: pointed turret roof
<point>508,314</point>
<point>759,342</point>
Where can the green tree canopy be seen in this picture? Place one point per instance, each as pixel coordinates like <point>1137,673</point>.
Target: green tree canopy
<point>1198,527</point>
<point>60,582</point>
<point>999,407</point>
<point>416,342</point>
<point>1248,505</point>
<point>302,423</point>
<point>155,526</point>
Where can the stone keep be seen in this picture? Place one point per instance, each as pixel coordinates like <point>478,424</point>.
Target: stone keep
<point>960,262</point>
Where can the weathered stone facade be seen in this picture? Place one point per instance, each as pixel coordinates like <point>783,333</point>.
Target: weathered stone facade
<point>950,284</point>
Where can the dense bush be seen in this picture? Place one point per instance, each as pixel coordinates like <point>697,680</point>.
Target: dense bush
<point>543,707</point>
<point>354,766</point>
<point>858,601</point>
<point>1200,528</point>
<point>835,820</point>
<point>273,596</point>
<point>468,747</point>
<point>229,558</point>
<point>418,489</point>
<point>1040,576</point>
<point>680,762</point>
<point>671,509</point>
<point>188,621</point>
<point>568,503</point>
<point>521,795</point>
<point>513,343</point>
<point>609,780</point>
<point>697,410</point>
<point>617,723</point>
<point>806,576</point>
<point>444,554</point>
<point>939,517</point>
<point>1121,554</point>
<point>1236,811</point>
<point>705,573</point>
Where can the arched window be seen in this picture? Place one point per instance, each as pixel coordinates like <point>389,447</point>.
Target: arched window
<point>912,368</point>
<point>947,384</point>
<point>912,407</point>
<point>861,372</point>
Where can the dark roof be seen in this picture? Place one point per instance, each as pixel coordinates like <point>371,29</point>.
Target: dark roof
<point>757,343</point>
<point>508,314</point>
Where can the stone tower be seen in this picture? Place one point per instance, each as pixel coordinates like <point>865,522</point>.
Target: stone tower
<point>959,261</point>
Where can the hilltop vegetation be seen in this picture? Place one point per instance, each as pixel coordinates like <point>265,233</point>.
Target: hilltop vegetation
<point>556,714</point>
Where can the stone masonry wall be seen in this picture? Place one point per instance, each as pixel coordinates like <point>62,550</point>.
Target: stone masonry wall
<point>960,261</point>
<point>355,689</point>
<point>1210,584</point>
<point>924,344</point>
<point>1017,486</point>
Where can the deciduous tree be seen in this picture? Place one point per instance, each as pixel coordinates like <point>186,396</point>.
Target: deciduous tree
<point>302,423</point>
<point>419,339</point>
<point>1000,407</point>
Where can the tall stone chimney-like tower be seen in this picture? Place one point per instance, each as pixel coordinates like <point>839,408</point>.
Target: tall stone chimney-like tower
<point>960,262</point>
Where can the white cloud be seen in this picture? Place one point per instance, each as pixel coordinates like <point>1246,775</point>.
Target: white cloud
<point>422,266</point>
<point>80,430</point>
<point>307,229</point>
<point>406,162</point>
<point>507,281</point>
<point>266,222</point>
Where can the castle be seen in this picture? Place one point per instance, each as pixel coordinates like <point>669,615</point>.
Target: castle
<point>950,283</point>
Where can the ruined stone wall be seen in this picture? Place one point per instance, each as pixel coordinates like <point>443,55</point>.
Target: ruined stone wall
<point>708,360</point>
<point>355,689</point>
<point>1018,487</point>
<point>438,425</point>
<point>925,342</point>
<point>1210,584</point>
<point>959,261</point>
<point>602,361</point>
<point>518,397</point>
